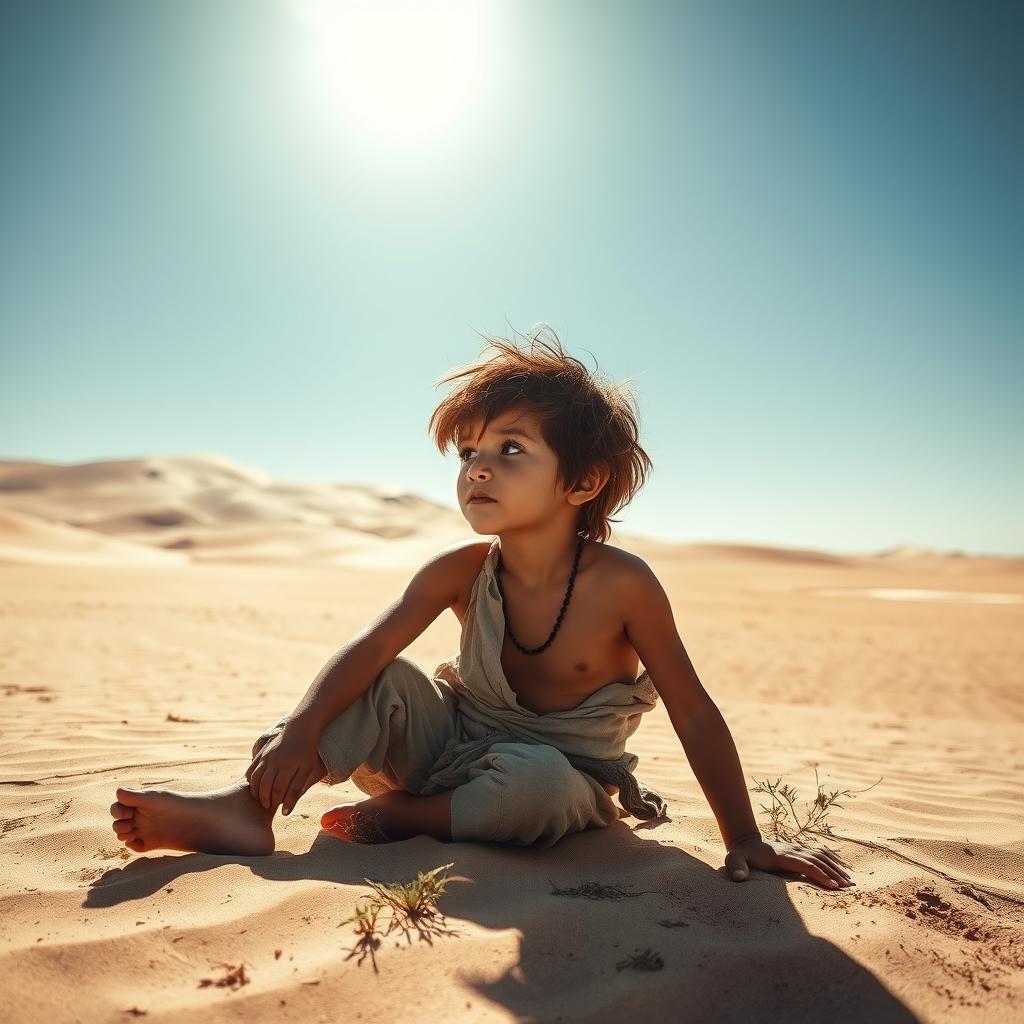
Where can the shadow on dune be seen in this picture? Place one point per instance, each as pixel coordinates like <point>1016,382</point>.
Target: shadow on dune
<point>729,950</point>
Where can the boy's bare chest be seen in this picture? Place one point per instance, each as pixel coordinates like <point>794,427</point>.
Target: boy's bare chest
<point>589,650</point>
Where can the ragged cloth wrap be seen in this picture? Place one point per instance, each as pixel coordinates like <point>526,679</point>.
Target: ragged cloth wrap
<point>592,736</point>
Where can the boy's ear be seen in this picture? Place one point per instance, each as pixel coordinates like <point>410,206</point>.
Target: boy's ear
<point>590,487</point>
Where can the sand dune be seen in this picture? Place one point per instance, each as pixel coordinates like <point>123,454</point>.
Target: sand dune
<point>215,510</point>
<point>147,651</point>
<point>25,538</point>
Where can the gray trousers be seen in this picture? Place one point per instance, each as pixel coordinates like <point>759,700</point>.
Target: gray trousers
<point>390,738</point>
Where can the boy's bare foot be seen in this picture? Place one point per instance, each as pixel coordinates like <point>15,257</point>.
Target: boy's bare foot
<point>390,817</point>
<point>227,820</point>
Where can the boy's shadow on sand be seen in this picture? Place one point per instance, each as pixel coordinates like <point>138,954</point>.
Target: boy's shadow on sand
<point>730,950</point>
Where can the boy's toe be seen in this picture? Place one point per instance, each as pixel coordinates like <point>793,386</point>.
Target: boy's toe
<point>122,827</point>
<point>118,810</point>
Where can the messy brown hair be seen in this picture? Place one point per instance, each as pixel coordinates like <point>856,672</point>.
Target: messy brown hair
<point>589,421</point>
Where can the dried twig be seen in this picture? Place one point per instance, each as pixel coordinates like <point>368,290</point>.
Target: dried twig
<point>648,960</point>
<point>596,891</point>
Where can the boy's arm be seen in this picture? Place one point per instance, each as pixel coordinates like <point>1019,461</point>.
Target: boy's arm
<point>353,669</point>
<point>698,723</point>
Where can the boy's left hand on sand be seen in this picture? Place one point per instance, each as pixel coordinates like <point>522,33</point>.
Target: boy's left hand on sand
<point>816,863</point>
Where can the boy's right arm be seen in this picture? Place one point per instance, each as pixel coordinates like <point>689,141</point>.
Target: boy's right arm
<point>288,764</point>
<point>350,672</point>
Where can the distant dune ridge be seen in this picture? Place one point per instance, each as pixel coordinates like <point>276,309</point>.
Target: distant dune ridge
<point>207,508</point>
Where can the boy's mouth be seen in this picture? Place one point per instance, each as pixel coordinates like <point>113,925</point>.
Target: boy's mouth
<point>481,501</point>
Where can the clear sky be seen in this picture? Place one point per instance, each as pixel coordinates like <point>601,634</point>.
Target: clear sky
<point>265,229</point>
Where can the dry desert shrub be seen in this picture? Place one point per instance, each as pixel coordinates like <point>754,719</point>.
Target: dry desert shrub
<point>595,891</point>
<point>783,797</point>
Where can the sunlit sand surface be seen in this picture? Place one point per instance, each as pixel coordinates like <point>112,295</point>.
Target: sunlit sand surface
<point>157,614</point>
<point>894,594</point>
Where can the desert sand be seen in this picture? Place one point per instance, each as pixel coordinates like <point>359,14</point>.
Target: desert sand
<point>158,613</point>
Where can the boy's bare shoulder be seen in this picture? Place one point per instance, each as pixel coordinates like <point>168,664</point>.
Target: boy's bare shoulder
<point>461,549</point>
<point>625,577</point>
<point>437,585</point>
<point>467,551</point>
<point>461,563</point>
<point>620,564</point>
<point>463,560</point>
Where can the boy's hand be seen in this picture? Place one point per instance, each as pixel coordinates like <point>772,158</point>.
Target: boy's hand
<point>284,768</point>
<point>818,864</point>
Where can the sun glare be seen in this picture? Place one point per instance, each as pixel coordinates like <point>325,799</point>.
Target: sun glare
<point>398,71</point>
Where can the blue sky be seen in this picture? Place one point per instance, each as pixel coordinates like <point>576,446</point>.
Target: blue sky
<point>265,229</point>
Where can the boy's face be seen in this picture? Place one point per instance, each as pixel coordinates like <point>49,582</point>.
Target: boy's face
<point>512,464</point>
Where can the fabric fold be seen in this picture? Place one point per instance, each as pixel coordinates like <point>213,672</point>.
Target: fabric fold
<point>592,736</point>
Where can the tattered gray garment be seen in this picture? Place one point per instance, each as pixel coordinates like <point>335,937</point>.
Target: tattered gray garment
<point>592,736</point>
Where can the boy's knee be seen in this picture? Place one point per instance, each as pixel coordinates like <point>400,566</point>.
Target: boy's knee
<point>524,793</point>
<point>401,675</point>
<point>538,772</point>
<point>264,738</point>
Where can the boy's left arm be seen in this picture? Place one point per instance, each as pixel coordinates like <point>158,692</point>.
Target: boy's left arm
<point>706,739</point>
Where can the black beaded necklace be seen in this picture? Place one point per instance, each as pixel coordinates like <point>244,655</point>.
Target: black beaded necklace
<point>565,603</point>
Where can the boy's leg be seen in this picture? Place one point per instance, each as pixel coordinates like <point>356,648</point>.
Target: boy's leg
<point>392,816</point>
<point>226,820</point>
<point>393,734</point>
<point>527,794</point>
<point>387,740</point>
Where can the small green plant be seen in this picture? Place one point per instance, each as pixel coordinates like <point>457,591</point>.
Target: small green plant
<point>413,905</point>
<point>366,929</point>
<point>416,899</point>
<point>783,797</point>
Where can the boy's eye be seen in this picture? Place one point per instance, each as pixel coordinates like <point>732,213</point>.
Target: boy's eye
<point>515,444</point>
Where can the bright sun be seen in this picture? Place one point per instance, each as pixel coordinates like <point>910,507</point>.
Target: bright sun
<point>401,71</point>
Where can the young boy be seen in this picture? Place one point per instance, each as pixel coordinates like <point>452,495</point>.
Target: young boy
<point>519,738</point>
